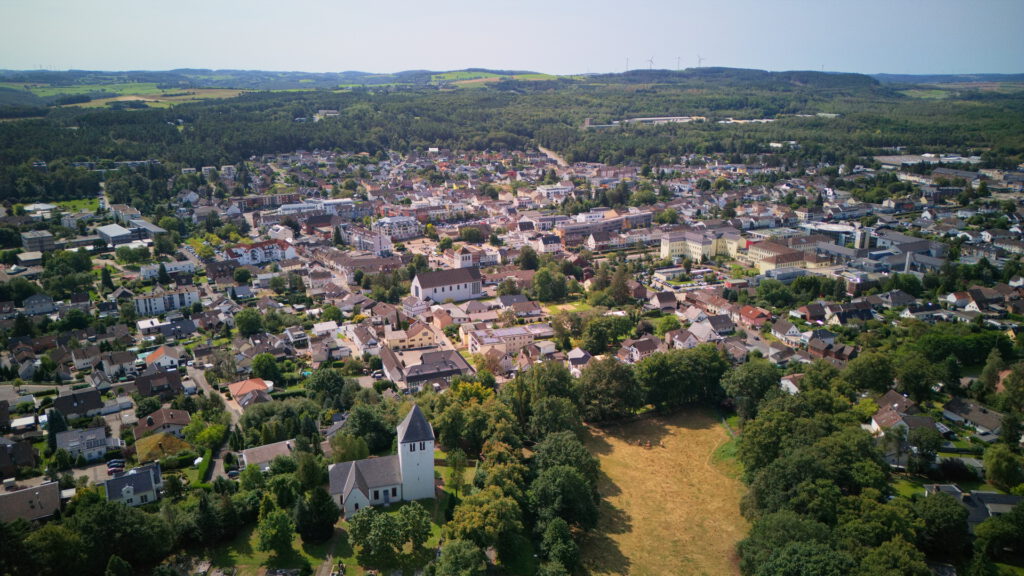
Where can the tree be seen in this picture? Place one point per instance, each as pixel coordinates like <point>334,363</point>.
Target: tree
<point>316,515</point>
<point>275,533</point>
<point>461,558</point>
<point>248,322</point>
<point>118,567</point>
<point>414,521</point>
<point>666,324</point>
<point>607,389</point>
<point>265,366</point>
<point>772,532</point>
<point>916,376</point>
<point>279,284</point>
<point>105,280</point>
<point>1003,468</point>
<point>807,559</point>
<point>346,447</point>
<point>55,424</point>
<point>485,518</point>
<point>994,364</point>
<point>162,276</point>
<point>869,371</point>
<point>241,276</point>
<point>943,532</point>
<point>565,449</point>
<point>749,383</point>
<point>897,557</point>
<point>926,441</point>
<point>562,491</point>
<point>378,534</point>
<point>558,545</point>
<point>528,259</point>
<point>456,470</point>
<point>551,414</point>
<point>251,478</point>
<point>56,550</point>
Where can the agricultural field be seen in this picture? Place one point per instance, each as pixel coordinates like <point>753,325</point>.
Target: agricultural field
<point>672,508</point>
<point>105,94</point>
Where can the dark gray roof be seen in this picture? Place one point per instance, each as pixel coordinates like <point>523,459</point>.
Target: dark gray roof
<point>415,427</point>
<point>364,475</point>
<point>141,479</point>
<point>448,277</point>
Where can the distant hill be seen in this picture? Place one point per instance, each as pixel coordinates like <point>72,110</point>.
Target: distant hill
<point>946,78</point>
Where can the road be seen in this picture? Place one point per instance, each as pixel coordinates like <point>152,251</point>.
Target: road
<point>233,409</point>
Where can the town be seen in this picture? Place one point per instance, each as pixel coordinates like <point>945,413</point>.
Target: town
<point>378,329</point>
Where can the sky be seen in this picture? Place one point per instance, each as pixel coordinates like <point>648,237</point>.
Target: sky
<point>551,36</point>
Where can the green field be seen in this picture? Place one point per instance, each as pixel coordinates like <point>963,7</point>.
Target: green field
<point>83,204</point>
<point>104,94</point>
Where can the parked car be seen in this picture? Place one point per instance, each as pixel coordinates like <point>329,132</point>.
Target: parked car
<point>233,474</point>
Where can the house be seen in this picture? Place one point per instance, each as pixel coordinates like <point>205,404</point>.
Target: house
<point>164,357</point>
<point>633,351</point>
<point>414,369</point>
<point>406,476</point>
<point>79,404</point>
<point>260,253</point>
<point>164,420</point>
<point>785,330</point>
<point>166,385</point>
<point>455,285</point>
<point>509,340</point>
<point>664,301</point>
<point>577,358</point>
<point>15,455</point>
<point>980,505</point>
<point>32,504</point>
<point>37,304</point>
<point>243,387</point>
<point>752,316</point>
<point>161,301</point>
<point>137,486</point>
<point>90,444</point>
<point>262,456</point>
<point>892,406</point>
<point>297,336</point>
<point>969,412</point>
<point>681,340</point>
<point>115,364</point>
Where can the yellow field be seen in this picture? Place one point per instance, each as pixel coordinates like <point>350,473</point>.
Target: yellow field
<point>668,509</point>
<point>164,100</point>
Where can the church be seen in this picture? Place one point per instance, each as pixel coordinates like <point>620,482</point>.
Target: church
<point>408,475</point>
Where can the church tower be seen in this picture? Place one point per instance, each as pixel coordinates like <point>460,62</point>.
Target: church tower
<point>416,455</point>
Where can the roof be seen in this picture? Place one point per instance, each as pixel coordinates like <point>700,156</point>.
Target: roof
<point>79,402</point>
<point>975,413</point>
<point>364,474</point>
<point>161,417</point>
<point>141,479</point>
<point>262,456</point>
<point>34,503</point>
<point>448,277</point>
<point>245,386</point>
<point>415,427</point>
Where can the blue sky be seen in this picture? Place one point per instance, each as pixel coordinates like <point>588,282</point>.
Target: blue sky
<point>554,36</point>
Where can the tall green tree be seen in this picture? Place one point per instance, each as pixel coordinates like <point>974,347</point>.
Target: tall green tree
<point>274,533</point>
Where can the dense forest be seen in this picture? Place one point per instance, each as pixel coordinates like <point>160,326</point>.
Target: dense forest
<point>863,117</point>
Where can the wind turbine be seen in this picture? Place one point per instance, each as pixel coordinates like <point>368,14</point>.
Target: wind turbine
<point>700,60</point>
<point>650,63</point>
<point>627,63</point>
<point>678,59</point>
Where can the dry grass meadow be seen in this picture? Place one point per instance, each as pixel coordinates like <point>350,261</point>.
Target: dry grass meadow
<point>669,509</point>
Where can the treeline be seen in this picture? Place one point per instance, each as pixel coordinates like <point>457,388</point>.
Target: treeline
<point>517,115</point>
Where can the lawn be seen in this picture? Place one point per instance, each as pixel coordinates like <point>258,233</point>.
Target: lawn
<point>908,485</point>
<point>86,204</point>
<point>669,509</point>
<point>243,555</point>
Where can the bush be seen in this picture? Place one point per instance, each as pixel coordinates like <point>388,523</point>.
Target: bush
<point>204,466</point>
<point>953,470</point>
<point>182,459</point>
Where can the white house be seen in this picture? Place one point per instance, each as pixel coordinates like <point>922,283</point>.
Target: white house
<point>441,285</point>
<point>261,252</point>
<point>165,357</point>
<point>152,271</point>
<point>91,443</point>
<point>138,486</point>
<point>160,301</point>
<point>408,475</point>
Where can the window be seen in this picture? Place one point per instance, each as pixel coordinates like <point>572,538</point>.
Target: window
<point>376,494</point>
<point>357,505</point>
<point>422,446</point>
<point>145,498</point>
<point>412,447</point>
<point>394,492</point>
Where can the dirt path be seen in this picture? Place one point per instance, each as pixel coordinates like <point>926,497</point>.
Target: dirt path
<point>554,156</point>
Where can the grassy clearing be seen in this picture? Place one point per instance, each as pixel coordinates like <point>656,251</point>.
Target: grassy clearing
<point>909,485</point>
<point>86,204</point>
<point>669,509</point>
<point>243,555</point>
<point>927,94</point>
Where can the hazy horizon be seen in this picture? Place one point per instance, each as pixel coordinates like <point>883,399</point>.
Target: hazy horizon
<point>570,37</point>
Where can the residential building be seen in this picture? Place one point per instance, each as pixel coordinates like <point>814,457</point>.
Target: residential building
<point>165,421</point>
<point>262,456</point>
<point>413,369</point>
<point>33,504</point>
<point>90,444</point>
<point>161,301</point>
<point>137,486</point>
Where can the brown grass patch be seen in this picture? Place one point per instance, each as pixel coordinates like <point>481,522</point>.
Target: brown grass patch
<point>156,446</point>
<point>668,509</point>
